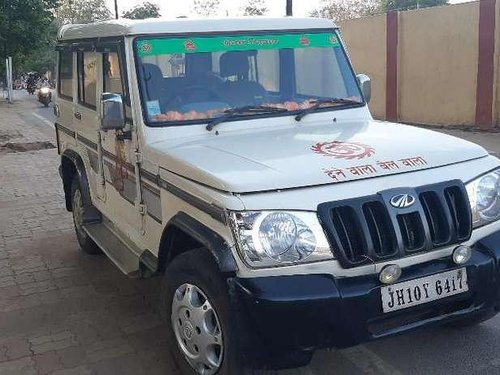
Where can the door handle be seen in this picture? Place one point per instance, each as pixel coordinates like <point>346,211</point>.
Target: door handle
<point>78,115</point>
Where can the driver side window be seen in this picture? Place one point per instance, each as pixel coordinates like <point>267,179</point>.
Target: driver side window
<point>113,77</point>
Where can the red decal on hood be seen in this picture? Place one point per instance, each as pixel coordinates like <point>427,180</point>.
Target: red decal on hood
<point>338,174</point>
<point>343,150</point>
<point>414,161</point>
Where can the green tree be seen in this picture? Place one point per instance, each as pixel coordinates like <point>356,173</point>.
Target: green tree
<point>255,8</point>
<point>82,11</point>
<point>26,28</point>
<point>140,12</point>
<point>341,10</point>
<point>390,5</point>
<point>206,8</point>
<point>44,58</point>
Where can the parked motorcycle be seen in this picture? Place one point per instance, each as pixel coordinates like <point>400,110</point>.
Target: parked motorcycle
<point>44,96</point>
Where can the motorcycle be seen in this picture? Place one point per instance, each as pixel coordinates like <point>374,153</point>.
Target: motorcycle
<point>44,96</point>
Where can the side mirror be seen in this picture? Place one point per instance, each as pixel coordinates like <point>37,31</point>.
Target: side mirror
<point>112,112</point>
<point>366,86</point>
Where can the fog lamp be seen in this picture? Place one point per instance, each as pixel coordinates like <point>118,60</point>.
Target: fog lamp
<point>390,274</point>
<point>462,254</point>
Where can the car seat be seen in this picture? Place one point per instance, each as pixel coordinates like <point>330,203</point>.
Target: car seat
<point>237,90</point>
<point>153,86</point>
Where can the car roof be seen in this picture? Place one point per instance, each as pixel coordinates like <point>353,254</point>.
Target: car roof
<point>125,27</point>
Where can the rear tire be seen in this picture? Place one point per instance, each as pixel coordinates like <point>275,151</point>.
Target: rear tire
<point>86,243</point>
<point>193,292</point>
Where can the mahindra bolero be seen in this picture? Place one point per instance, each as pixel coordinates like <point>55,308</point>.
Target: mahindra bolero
<point>237,159</point>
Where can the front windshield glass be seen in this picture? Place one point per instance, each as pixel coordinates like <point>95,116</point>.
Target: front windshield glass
<point>195,79</point>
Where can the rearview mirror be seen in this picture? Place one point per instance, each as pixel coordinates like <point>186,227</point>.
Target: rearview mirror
<point>112,112</point>
<point>366,86</point>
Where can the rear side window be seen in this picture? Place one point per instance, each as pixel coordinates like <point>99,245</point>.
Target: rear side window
<point>87,78</point>
<point>65,84</point>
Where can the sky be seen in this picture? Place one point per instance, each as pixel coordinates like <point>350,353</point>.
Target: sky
<point>175,8</point>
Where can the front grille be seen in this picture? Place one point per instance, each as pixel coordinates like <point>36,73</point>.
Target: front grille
<point>369,229</point>
<point>380,228</point>
<point>412,231</point>
<point>346,222</point>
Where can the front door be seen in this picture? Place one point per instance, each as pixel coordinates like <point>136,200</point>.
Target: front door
<point>86,118</point>
<point>117,154</point>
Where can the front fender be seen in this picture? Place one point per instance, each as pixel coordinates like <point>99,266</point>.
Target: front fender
<point>212,241</point>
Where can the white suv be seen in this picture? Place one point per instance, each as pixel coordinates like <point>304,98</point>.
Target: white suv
<point>237,158</point>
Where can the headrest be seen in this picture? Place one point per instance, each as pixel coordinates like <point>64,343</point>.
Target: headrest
<point>234,63</point>
<point>152,71</point>
<point>199,63</point>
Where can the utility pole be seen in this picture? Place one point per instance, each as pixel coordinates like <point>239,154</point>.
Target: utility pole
<point>8,68</point>
<point>116,9</point>
<point>289,8</point>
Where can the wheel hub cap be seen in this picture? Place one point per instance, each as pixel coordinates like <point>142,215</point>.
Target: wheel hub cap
<point>188,330</point>
<point>197,329</point>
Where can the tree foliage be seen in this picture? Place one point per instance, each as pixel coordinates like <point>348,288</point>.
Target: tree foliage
<point>140,12</point>
<point>26,28</point>
<point>82,11</point>
<point>390,5</point>
<point>206,8</point>
<point>255,8</point>
<point>340,10</point>
<point>41,59</point>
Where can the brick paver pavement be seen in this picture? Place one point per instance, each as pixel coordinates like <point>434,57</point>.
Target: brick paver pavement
<point>65,312</point>
<point>62,311</point>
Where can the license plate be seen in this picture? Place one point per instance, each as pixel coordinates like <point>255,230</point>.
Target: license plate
<point>426,289</point>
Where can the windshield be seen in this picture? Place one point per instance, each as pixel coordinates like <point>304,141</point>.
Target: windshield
<point>195,79</point>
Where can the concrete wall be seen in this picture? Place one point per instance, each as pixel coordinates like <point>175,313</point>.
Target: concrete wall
<point>438,54</point>
<point>496,98</point>
<point>435,72</point>
<point>366,44</point>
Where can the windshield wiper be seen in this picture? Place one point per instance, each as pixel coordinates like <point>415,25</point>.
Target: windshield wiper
<point>319,102</point>
<point>231,112</point>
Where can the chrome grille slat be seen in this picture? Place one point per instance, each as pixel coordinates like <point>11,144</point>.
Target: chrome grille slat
<point>369,229</point>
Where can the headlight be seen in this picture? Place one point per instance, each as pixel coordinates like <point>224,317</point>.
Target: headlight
<point>44,90</point>
<point>279,238</point>
<point>484,197</point>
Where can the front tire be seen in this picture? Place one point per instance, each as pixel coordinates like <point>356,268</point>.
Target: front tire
<point>78,209</point>
<point>196,309</point>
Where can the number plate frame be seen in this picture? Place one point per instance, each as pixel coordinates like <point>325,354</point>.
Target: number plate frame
<point>429,288</point>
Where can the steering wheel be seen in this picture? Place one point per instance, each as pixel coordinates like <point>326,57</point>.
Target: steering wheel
<point>184,96</point>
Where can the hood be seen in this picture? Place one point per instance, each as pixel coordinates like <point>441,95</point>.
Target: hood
<point>307,155</point>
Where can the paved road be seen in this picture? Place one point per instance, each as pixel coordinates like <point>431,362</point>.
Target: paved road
<point>63,312</point>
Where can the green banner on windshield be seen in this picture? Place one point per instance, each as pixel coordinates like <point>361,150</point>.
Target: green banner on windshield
<point>163,46</point>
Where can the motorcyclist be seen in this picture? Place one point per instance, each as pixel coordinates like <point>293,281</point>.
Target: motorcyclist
<point>31,83</point>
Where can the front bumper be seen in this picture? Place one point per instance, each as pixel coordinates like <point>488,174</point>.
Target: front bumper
<point>305,312</point>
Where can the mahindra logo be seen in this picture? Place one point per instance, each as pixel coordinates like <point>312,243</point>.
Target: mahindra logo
<point>403,201</point>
